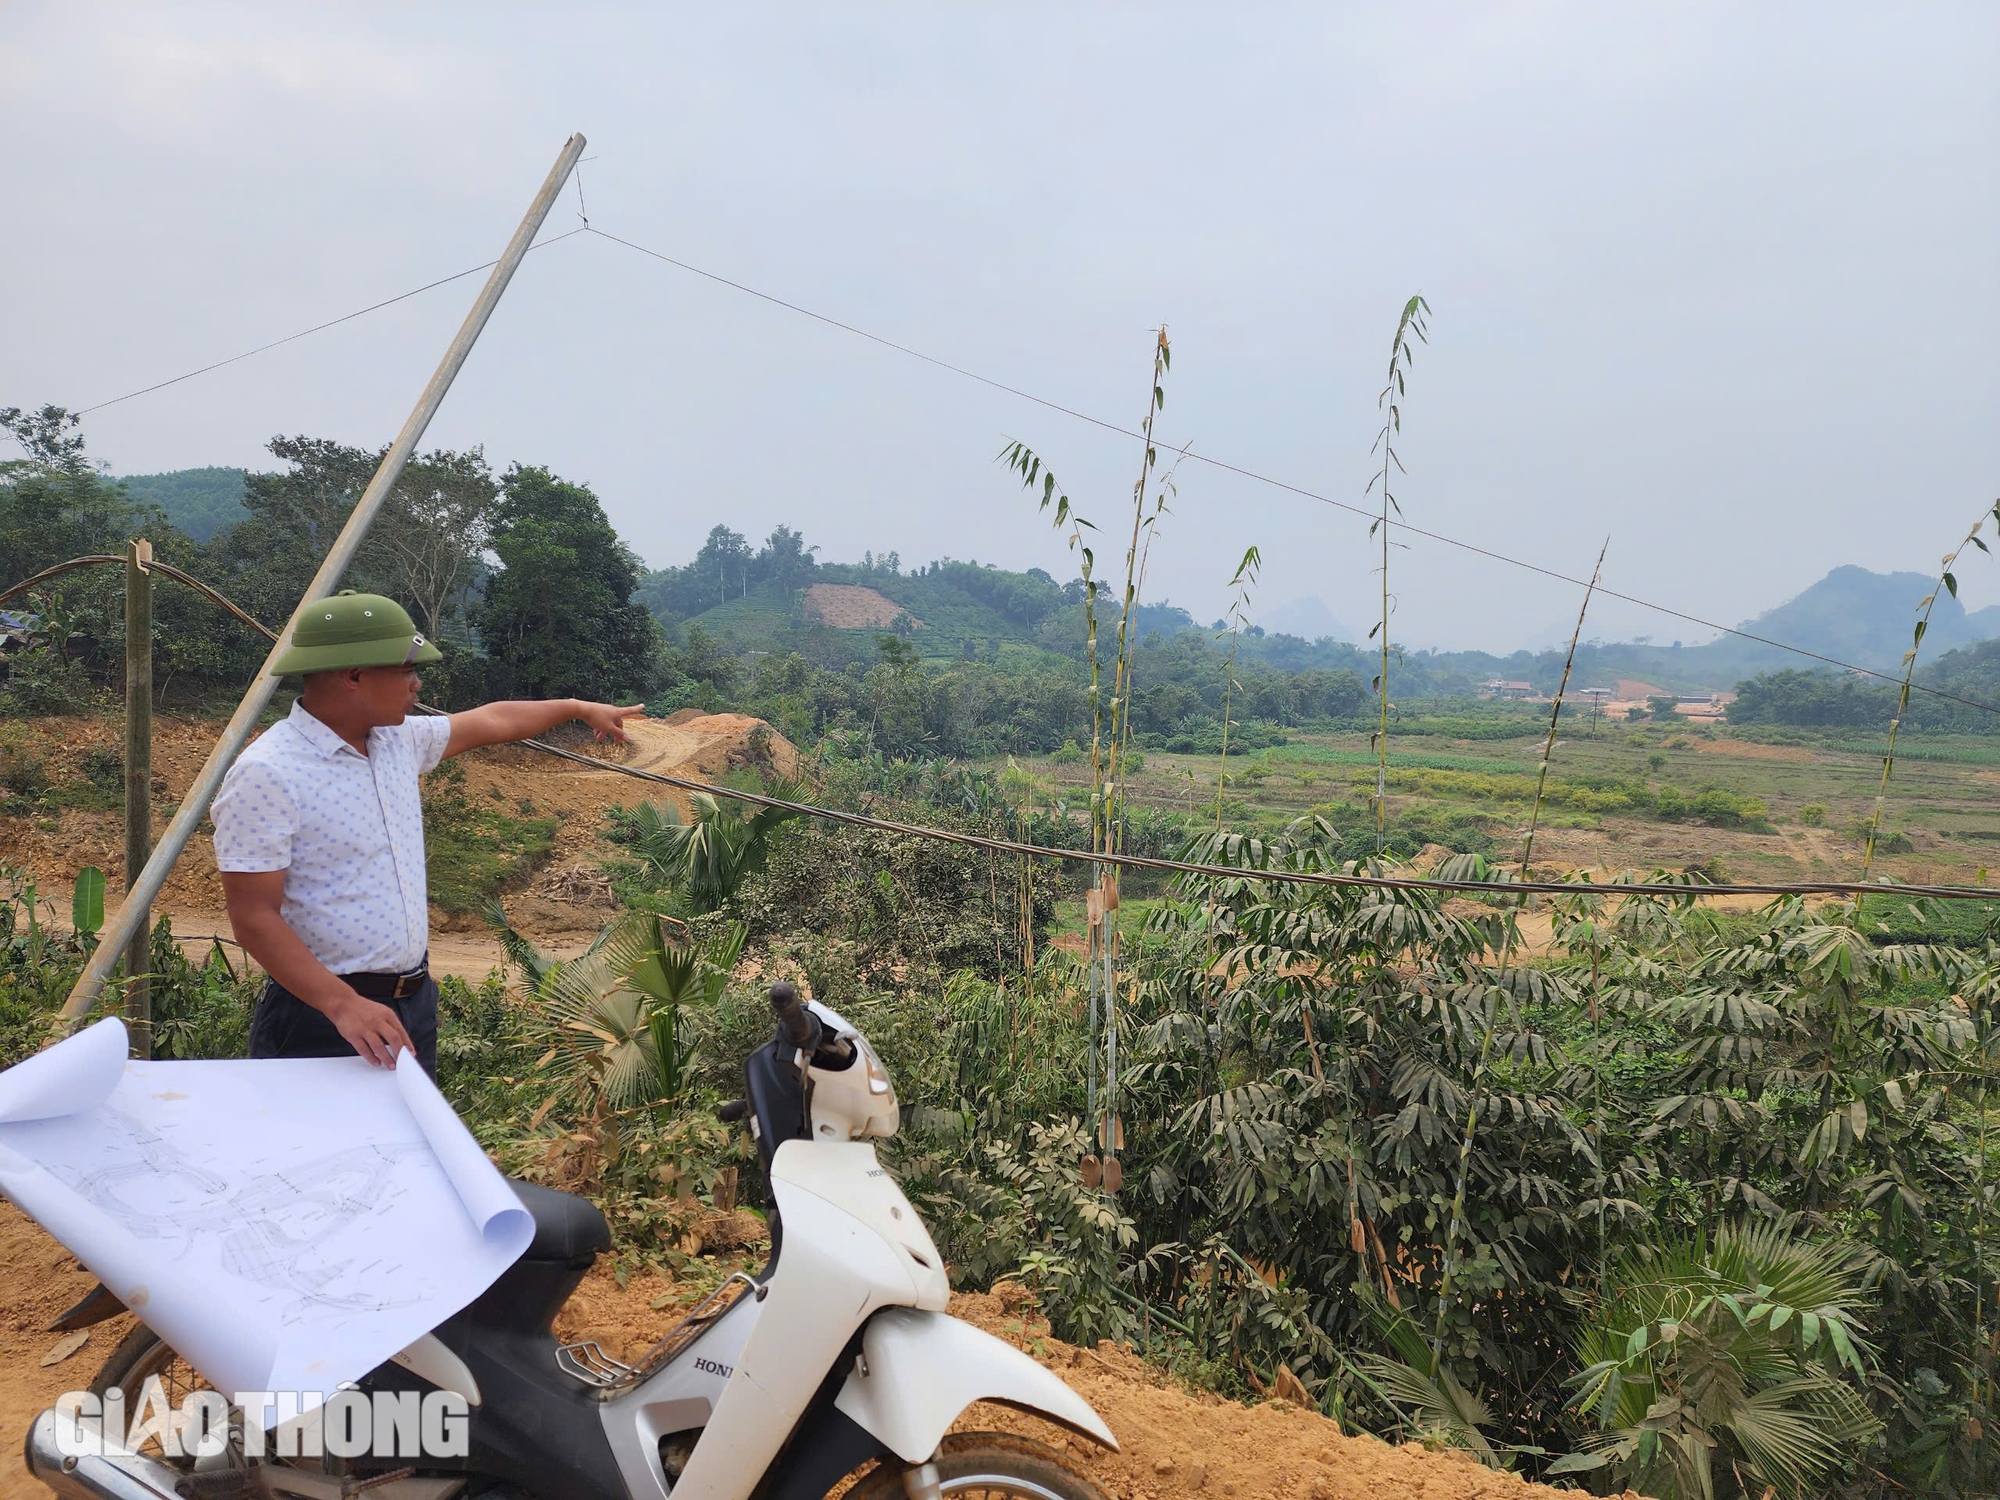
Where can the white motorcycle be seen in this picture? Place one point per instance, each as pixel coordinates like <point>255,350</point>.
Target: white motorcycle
<point>838,1357</point>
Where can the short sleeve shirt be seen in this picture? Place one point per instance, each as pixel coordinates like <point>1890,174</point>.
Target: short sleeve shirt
<point>346,828</point>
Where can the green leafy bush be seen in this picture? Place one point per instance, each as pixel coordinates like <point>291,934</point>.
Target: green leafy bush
<point>1738,1358</point>
<point>1713,806</point>
<point>474,852</point>
<point>41,680</point>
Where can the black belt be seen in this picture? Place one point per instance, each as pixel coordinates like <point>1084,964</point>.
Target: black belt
<point>388,986</point>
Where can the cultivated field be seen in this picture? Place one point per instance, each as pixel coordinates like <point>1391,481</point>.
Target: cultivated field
<point>1941,823</point>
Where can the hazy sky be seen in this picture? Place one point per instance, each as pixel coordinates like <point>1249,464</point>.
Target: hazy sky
<point>1718,281</point>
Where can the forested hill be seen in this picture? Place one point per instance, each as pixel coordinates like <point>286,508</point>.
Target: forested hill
<point>200,502</point>
<point>747,598</point>
<point>1866,618</point>
<point>753,600</point>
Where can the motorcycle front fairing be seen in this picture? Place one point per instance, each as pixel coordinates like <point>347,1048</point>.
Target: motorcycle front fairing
<point>852,1245</point>
<point>845,1353</point>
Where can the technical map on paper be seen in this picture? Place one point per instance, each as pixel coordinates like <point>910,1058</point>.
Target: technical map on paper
<point>286,1224</point>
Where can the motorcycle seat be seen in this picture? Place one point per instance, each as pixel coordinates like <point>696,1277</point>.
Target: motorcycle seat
<point>567,1227</point>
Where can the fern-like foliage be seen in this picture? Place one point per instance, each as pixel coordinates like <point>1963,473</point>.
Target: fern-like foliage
<point>1730,1358</point>
<point>616,1017</point>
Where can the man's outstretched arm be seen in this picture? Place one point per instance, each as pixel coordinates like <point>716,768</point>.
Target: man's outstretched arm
<point>256,901</point>
<point>501,723</point>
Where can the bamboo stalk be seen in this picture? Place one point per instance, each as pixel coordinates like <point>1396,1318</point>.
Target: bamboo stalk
<point>138,786</point>
<point>1401,353</point>
<point>1555,711</point>
<point>1946,580</point>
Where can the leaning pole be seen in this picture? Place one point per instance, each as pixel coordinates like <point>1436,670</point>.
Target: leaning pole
<point>142,892</point>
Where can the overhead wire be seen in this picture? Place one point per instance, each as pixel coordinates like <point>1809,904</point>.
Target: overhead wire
<point>1101,423</point>
<point>429,286</point>
<point>1372,517</point>
<point>1675,890</point>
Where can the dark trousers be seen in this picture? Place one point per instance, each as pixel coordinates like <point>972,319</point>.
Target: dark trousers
<point>285,1026</point>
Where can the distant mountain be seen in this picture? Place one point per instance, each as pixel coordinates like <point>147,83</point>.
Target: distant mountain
<point>1309,619</point>
<point>1867,618</point>
<point>199,501</point>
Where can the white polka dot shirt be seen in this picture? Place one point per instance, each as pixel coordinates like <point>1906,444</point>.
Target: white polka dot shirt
<point>348,831</point>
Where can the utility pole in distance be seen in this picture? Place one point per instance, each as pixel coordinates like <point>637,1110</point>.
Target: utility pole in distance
<point>139,785</point>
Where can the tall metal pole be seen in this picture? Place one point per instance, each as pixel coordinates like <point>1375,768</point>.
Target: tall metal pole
<point>194,807</point>
<point>138,786</point>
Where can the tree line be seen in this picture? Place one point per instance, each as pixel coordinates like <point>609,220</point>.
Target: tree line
<point>518,577</point>
<point>527,588</point>
<point>523,582</point>
<point>1824,699</point>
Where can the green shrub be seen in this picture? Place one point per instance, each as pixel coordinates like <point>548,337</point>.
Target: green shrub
<point>1713,806</point>
<point>1069,754</point>
<point>98,786</point>
<point>24,775</point>
<point>41,680</point>
<point>474,853</point>
<point>200,1010</point>
<point>1813,814</point>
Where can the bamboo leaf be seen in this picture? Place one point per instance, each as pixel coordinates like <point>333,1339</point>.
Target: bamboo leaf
<point>86,904</point>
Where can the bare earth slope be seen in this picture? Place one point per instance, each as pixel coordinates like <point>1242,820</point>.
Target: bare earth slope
<point>1175,1442</point>
<point>564,905</point>
<point>852,606</point>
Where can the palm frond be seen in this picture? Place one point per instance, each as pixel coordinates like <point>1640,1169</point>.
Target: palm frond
<point>521,953</point>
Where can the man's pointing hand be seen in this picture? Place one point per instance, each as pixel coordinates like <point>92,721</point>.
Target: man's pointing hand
<point>607,721</point>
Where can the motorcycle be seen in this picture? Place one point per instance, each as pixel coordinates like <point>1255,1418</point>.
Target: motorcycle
<point>838,1357</point>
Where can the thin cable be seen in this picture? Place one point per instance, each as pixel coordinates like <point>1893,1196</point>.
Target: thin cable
<point>587,228</point>
<point>429,286</point>
<point>1281,877</point>
<point>1137,861</point>
<point>1251,474</point>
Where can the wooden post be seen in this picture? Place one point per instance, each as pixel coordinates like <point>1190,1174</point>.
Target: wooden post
<point>139,784</point>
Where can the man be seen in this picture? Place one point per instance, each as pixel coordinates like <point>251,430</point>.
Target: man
<point>320,839</point>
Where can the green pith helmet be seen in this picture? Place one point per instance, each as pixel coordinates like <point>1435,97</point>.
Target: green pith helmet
<point>354,630</point>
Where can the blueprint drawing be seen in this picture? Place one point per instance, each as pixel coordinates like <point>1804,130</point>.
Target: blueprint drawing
<point>285,1224</point>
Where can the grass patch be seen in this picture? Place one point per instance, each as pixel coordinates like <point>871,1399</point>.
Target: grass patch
<point>1327,755</point>
<point>1962,755</point>
<point>1469,724</point>
<point>474,853</point>
<point>27,785</point>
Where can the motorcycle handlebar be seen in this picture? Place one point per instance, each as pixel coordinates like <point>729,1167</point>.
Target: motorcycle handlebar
<point>798,1024</point>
